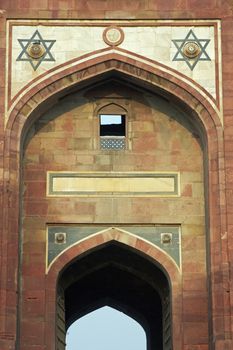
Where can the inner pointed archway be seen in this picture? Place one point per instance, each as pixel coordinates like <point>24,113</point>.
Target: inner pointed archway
<point>121,278</point>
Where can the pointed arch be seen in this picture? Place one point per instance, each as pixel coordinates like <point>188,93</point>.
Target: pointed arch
<point>111,108</point>
<point>46,93</point>
<point>149,72</point>
<point>139,246</point>
<point>96,240</point>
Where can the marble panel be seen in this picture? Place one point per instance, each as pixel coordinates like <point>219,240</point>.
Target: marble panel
<point>114,184</point>
<point>73,41</point>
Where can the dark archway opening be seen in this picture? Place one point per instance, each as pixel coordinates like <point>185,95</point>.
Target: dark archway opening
<point>119,277</point>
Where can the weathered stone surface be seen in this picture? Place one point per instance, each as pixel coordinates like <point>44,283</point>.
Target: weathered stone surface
<point>65,138</point>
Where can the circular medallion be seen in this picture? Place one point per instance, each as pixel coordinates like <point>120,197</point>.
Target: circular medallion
<point>191,49</point>
<point>113,36</point>
<point>36,50</point>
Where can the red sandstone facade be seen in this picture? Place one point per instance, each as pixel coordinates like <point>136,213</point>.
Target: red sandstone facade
<point>157,101</point>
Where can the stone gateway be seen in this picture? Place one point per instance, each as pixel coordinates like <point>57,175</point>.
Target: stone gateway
<point>116,169</point>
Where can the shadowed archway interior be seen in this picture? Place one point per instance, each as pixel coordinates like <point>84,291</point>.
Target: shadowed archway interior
<point>119,277</point>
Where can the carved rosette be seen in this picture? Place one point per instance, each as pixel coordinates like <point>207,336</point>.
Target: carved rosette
<point>60,237</point>
<point>113,36</point>
<point>35,50</point>
<point>191,49</point>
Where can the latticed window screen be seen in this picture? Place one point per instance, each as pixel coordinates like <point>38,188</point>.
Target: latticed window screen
<point>112,143</point>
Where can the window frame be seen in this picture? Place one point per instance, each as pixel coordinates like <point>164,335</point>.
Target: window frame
<point>113,109</point>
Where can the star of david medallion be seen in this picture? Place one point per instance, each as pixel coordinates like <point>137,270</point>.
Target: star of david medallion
<point>36,50</point>
<point>113,36</point>
<point>191,49</point>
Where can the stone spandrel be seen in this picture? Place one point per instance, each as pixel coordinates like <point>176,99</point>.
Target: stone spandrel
<point>153,233</point>
<point>158,43</point>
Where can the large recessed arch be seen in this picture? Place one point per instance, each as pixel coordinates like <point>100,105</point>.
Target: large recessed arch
<point>165,82</point>
<point>47,93</point>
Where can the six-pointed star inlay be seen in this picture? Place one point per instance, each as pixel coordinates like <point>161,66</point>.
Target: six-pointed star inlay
<point>202,55</point>
<point>46,45</point>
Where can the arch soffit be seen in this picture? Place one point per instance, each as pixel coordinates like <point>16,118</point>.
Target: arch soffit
<point>154,75</point>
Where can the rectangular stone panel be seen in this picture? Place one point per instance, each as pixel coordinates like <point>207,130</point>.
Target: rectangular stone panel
<point>112,184</point>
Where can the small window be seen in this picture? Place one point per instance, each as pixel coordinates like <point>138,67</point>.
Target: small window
<point>112,125</point>
<point>112,131</point>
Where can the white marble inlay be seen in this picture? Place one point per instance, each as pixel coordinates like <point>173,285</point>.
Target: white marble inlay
<point>151,42</point>
<point>112,184</point>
